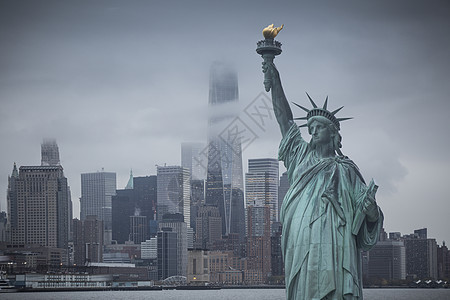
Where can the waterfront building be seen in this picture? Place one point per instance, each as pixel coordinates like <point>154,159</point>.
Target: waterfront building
<point>30,257</point>
<point>97,190</point>
<point>173,192</point>
<point>226,268</point>
<point>224,180</point>
<point>443,262</point>
<point>197,269</point>
<point>177,225</point>
<point>167,253</point>
<point>387,260</point>
<point>421,255</point>
<point>261,185</point>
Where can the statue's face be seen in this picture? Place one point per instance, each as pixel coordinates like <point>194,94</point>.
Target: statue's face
<point>320,133</point>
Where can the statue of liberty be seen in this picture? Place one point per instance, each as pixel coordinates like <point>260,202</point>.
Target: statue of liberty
<point>329,214</point>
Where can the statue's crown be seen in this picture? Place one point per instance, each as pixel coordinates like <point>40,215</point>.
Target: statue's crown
<point>322,112</point>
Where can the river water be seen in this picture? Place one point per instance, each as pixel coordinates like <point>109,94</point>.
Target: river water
<point>224,294</point>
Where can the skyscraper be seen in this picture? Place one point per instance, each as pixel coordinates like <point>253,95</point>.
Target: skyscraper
<point>167,253</point>
<point>176,224</point>
<point>191,158</point>
<point>39,198</point>
<point>88,240</point>
<point>261,185</point>
<point>259,243</point>
<point>97,190</point>
<point>421,255</point>
<point>49,153</point>
<point>173,191</point>
<point>209,227</point>
<point>39,202</point>
<point>224,181</point>
<point>137,199</point>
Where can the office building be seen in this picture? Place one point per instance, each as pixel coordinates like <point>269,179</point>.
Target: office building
<point>224,180</point>
<point>137,199</point>
<point>209,227</point>
<point>167,253</point>
<point>421,255</point>
<point>149,248</point>
<point>258,244</point>
<point>387,260</point>
<point>39,209</point>
<point>261,185</point>
<point>197,200</point>
<point>443,262</point>
<point>139,228</point>
<point>88,240</point>
<point>97,190</point>
<point>123,206</point>
<point>177,225</point>
<point>173,192</point>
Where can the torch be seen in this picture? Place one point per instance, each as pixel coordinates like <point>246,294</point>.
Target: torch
<point>268,49</point>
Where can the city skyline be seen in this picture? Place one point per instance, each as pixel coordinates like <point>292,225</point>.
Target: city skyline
<point>113,100</point>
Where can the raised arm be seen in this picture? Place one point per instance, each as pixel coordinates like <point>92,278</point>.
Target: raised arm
<point>280,104</point>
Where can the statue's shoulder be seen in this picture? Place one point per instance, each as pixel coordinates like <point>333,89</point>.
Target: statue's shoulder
<point>348,165</point>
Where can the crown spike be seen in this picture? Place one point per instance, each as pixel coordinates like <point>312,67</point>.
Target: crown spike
<point>304,125</point>
<point>301,118</point>
<point>337,110</point>
<point>305,109</point>
<point>311,100</point>
<point>344,119</point>
<point>325,104</point>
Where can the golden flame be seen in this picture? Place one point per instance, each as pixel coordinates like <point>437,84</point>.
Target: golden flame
<point>270,32</point>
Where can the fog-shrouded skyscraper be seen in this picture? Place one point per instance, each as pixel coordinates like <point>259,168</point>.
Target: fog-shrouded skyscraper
<point>39,202</point>
<point>49,153</point>
<point>224,181</point>
<point>97,190</point>
<point>261,184</point>
<point>173,192</point>
<point>192,159</point>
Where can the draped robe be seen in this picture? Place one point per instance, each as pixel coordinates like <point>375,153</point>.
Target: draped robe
<point>321,246</point>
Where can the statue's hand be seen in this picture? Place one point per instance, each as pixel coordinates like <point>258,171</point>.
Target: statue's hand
<point>271,73</point>
<point>371,209</point>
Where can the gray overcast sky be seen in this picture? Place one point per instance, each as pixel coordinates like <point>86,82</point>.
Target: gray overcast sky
<point>120,84</point>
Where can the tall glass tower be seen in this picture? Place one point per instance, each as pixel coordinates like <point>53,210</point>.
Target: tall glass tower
<point>97,190</point>
<point>224,182</point>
